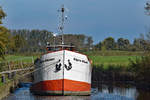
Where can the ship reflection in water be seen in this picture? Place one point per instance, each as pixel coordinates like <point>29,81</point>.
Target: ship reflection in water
<point>102,92</point>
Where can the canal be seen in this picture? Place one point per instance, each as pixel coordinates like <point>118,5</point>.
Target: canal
<point>99,92</point>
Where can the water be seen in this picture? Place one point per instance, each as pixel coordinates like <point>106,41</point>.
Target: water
<point>100,92</point>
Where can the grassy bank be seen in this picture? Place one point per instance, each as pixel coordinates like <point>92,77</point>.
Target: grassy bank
<point>5,89</point>
<point>18,58</point>
<point>112,60</point>
<point>15,62</point>
<point>114,53</point>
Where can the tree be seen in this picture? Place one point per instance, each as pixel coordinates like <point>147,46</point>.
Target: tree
<point>89,42</point>
<point>109,43</point>
<point>120,43</point>
<point>36,40</point>
<point>11,45</point>
<point>98,46</point>
<point>2,15</point>
<point>123,44</point>
<point>20,42</point>
<point>140,44</point>
<point>78,40</point>
<point>126,44</point>
<point>4,34</point>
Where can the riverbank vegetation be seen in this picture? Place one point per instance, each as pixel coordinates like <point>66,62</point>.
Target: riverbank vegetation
<point>136,73</point>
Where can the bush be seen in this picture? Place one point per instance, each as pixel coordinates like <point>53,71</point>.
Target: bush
<point>141,68</point>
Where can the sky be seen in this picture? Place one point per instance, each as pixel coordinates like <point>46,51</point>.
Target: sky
<point>97,18</point>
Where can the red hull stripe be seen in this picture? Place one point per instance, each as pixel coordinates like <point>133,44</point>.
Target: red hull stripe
<point>56,85</point>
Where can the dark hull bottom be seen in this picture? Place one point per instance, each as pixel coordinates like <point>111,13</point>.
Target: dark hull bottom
<point>61,93</point>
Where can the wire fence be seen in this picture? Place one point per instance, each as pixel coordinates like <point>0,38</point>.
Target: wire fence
<point>16,63</point>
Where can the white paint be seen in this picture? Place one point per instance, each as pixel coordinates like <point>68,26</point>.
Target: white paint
<point>80,71</point>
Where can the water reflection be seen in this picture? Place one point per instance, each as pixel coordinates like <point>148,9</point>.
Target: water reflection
<point>100,92</point>
<point>24,94</point>
<point>62,98</point>
<point>110,92</point>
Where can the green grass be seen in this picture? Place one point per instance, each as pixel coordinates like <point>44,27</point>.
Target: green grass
<point>112,60</point>
<point>16,62</point>
<point>114,53</point>
<point>14,58</point>
<point>1,83</point>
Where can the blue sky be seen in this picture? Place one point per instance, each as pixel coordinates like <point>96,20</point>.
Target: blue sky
<point>96,18</point>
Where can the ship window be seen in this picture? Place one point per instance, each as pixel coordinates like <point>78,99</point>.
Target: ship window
<point>71,49</point>
<point>59,48</point>
<point>49,49</point>
<point>53,48</point>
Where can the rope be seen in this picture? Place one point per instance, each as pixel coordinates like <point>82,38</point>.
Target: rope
<point>40,68</point>
<point>4,72</point>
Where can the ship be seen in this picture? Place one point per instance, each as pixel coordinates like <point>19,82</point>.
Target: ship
<point>62,70</point>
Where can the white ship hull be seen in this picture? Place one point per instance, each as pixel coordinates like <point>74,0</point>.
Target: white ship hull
<point>62,73</point>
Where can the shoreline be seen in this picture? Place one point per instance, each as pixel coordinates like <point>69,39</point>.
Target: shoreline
<point>112,77</point>
<point>8,88</point>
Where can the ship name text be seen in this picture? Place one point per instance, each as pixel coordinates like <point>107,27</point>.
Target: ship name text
<point>79,60</point>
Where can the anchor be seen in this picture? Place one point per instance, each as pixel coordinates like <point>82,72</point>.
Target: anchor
<point>58,66</point>
<point>69,65</point>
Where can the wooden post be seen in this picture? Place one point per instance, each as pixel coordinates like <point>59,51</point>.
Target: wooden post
<point>21,64</point>
<point>3,78</point>
<point>13,74</point>
<point>9,75</point>
<point>9,67</point>
<point>32,60</point>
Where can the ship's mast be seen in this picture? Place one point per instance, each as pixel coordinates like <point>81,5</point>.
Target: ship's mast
<point>61,28</point>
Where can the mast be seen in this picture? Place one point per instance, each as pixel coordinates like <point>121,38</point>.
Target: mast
<point>61,28</point>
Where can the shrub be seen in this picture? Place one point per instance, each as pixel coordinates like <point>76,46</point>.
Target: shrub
<point>141,68</point>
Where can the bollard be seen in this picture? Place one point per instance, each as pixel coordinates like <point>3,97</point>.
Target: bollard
<point>9,76</point>
<point>3,79</point>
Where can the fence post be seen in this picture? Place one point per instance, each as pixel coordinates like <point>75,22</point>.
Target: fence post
<point>13,74</point>
<point>9,75</point>
<point>3,78</point>
<point>32,60</point>
<point>9,66</point>
<point>21,64</point>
